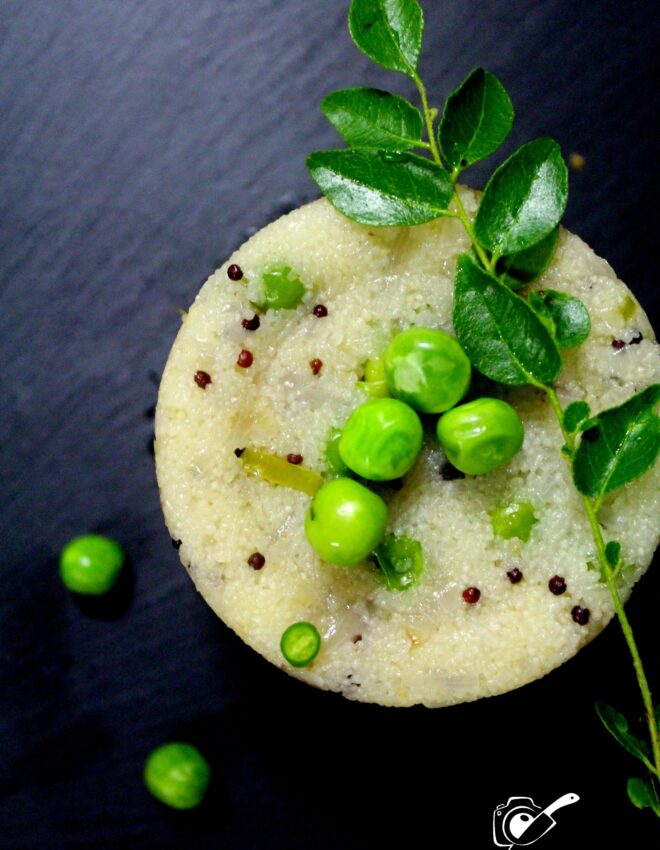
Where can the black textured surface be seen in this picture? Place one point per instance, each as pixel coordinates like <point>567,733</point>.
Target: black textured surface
<point>140,142</point>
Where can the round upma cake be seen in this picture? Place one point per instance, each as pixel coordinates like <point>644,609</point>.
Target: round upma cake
<point>279,384</point>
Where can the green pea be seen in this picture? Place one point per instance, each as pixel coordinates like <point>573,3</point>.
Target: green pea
<point>427,369</point>
<point>91,564</point>
<point>514,520</point>
<point>300,644</point>
<point>178,775</point>
<point>480,436</point>
<point>381,439</point>
<point>283,289</point>
<point>345,521</point>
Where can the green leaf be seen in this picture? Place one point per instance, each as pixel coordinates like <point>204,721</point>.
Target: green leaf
<point>622,445</point>
<point>382,187</point>
<point>613,553</point>
<point>477,118</point>
<point>525,266</point>
<point>642,794</point>
<point>372,118</point>
<point>401,560</point>
<point>501,334</point>
<point>538,306</point>
<point>575,414</point>
<point>524,200</point>
<point>617,725</point>
<point>389,32</point>
<point>570,316</point>
<point>565,316</point>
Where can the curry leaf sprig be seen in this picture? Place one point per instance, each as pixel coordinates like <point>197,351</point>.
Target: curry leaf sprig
<point>512,334</point>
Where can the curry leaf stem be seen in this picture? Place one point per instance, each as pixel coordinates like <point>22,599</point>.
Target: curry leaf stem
<point>591,510</point>
<point>429,117</point>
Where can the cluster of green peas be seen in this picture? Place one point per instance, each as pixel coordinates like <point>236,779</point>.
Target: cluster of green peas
<point>425,371</point>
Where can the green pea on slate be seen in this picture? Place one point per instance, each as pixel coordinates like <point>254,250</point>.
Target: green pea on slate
<point>177,774</point>
<point>91,564</point>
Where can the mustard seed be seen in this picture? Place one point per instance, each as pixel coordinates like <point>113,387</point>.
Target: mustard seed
<point>202,378</point>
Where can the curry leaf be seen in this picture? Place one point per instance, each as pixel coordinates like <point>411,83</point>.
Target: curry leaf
<point>570,316</point>
<point>382,187</point>
<point>524,200</point>
<point>622,444</point>
<point>613,553</point>
<point>525,266</point>
<point>477,118</point>
<point>389,32</point>
<point>575,414</point>
<point>642,794</point>
<point>537,304</point>
<point>372,118</point>
<point>617,725</point>
<point>501,334</point>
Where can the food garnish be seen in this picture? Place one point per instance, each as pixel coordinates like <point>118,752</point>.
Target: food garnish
<point>510,336</point>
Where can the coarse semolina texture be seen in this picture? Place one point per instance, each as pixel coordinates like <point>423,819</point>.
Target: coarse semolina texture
<point>424,645</point>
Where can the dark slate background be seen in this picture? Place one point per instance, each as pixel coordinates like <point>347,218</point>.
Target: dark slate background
<point>140,142</point>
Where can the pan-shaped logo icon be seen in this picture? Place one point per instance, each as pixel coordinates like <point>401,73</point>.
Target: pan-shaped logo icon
<point>520,822</point>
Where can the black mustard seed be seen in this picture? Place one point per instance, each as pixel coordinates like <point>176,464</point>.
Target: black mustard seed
<point>580,615</point>
<point>256,560</point>
<point>557,585</point>
<point>202,378</point>
<point>251,324</point>
<point>471,595</point>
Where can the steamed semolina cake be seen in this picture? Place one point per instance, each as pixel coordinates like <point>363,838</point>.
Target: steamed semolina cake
<point>300,377</point>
